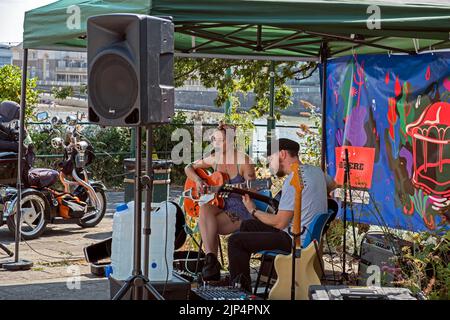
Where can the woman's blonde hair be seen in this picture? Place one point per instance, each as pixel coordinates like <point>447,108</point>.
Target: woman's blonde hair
<point>222,126</point>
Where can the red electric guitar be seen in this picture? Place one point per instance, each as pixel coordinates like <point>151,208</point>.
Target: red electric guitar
<point>217,190</point>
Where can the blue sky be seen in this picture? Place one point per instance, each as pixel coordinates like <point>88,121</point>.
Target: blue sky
<point>11,17</point>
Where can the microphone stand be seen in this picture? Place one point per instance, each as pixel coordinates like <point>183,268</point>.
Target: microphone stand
<point>347,190</point>
<point>20,264</point>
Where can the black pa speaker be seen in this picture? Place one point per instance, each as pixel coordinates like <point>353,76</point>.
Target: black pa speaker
<point>130,70</point>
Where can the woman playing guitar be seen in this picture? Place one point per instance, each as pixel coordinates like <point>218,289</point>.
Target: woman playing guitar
<point>213,220</point>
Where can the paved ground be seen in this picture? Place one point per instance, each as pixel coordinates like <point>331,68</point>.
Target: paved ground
<point>58,259</point>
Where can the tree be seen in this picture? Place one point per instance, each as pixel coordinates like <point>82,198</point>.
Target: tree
<point>83,88</point>
<point>246,76</point>
<point>62,92</point>
<point>311,151</point>
<point>10,87</point>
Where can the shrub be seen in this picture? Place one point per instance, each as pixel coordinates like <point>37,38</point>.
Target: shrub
<point>110,140</point>
<point>426,268</point>
<point>10,87</point>
<point>62,93</point>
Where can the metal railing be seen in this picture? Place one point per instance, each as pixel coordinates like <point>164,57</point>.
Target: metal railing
<point>164,153</point>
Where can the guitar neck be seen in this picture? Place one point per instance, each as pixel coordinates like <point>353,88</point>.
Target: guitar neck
<point>253,184</point>
<point>252,195</point>
<point>296,223</point>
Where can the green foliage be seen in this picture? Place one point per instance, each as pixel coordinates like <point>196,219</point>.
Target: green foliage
<point>335,234</point>
<point>246,76</point>
<point>62,92</point>
<point>111,140</point>
<point>41,141</point>
<point>162,135</point>
<point>10,87</point>
<point>234,77</point>
<point>109,168</point>
<point>427,268</point>
<point>243,123</point>
<point>163,144</point>
<point>311,147</point>
<point>83,89</point>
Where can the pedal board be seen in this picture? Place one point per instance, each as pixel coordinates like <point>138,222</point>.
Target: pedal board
<point>359,293</point>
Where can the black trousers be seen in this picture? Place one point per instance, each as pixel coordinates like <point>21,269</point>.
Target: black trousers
<point>253,236</point>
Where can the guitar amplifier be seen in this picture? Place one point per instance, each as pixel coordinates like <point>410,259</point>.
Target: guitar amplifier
<point>380,250</point>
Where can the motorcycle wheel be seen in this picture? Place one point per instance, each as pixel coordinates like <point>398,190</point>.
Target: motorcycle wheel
<point>101,212</point>
<point>33,222</point>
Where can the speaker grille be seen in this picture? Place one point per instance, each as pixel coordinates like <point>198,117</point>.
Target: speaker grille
<point>113,86</point>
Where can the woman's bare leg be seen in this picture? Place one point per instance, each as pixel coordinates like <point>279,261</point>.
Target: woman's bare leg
<point>209,227</point>
<point>225,224</point>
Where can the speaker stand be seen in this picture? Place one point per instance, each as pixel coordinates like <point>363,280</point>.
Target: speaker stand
<point>347,190</point>
<point>147,180</point>
<point>6,250</point>
<point>138,283</point>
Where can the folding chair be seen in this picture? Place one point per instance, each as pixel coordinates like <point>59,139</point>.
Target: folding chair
<point>317,228</point>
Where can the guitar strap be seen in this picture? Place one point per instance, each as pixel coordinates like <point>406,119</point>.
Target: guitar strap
<point>297,220</point>
<point>296,224</point>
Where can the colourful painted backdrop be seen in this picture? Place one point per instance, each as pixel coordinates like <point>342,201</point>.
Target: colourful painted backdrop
<point>392,113</point>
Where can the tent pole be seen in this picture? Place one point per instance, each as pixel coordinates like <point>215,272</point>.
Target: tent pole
<point>23,104</point>
<point>227,106</point>
<point>22,264</point>
<point>271,118</point>
<point>323,60</point>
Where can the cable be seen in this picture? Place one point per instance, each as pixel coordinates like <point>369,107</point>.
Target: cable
<point>186,266</point>
<point>166,235</point>
<point>72,258</point>
<point>165,250</point>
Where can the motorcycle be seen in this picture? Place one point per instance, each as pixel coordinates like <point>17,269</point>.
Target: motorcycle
<point>82,201</point>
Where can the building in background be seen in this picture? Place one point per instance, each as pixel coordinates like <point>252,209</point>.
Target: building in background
<point>54,68</point>
<point>69,68</point>
<point>6,55</point>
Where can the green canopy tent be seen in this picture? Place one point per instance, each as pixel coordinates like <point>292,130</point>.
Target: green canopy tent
<point>298,30</point>
<point>288,28</point>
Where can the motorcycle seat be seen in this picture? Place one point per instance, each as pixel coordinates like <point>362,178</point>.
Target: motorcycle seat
<point>41,177</point>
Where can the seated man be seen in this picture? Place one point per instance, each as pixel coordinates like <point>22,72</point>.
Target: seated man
<point>270,231</point>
